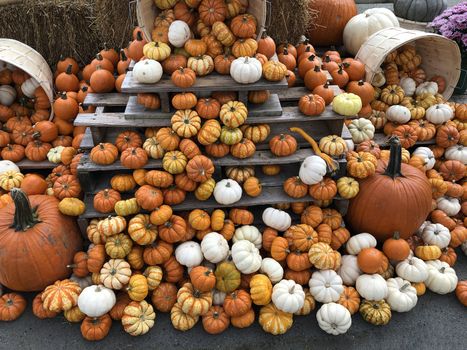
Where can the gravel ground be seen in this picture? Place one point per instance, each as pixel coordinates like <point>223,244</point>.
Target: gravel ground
<point>437,322</point>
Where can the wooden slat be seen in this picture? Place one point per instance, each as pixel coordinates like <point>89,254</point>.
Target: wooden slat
<point>135,111</point>
<point>209,83</point>
<point>269,196</point>
<point>117,120</point>
<point>104,100</point>
<point>27,164</point>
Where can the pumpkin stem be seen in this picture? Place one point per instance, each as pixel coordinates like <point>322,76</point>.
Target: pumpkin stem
<point>68,69</point>
<point>25,216</point>
<point>139,36</point>
<point>123,55</point>
<point>396,235</point>
<point>99,57</point>
<point>333,165</point>
<point>395,158</point>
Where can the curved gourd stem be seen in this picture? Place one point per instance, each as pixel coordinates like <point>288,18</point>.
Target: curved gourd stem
<point>25,216</point>
<point>395,158</point>
<point>331,162</point>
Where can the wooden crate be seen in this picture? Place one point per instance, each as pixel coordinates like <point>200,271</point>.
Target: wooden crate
<point>117,112</point>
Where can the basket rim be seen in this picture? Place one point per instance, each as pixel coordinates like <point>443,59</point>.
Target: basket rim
<point>371,71</point>
<point>45,84</point>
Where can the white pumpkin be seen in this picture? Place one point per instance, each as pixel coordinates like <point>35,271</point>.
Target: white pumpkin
<point>427,155</point>
<point>457,152</point>
<point>83,282</point>
<point>250,233</point>
<point>147,72</point>
<point>361,241</point>
<point>214,247</point>
<point>55,154</point>
<point>362,26</point>
<point>326,286</point>
<point>428,87</point>
<point>218,297</point>
<point>422,227</point>
<point>95,301</point>
<point>379,79</point>
<point>334,318</point>
<point>402,297</point>
<point>442,278</point>
<point>227,192</point>
<point>6,165</point>
<point>349,270</point>
<point>179,33</point>
<point>439,114</point>
<point>451,206</point>
<point>398,114</point>
<point>350,144</point>
<point>361,130</point>
<point>312,170</point>
<point>277,219</point>
<point>29,87</point>
<point>7,95</point>
<point>412,270</point>
<point>408,85</point>
<point>246,70</point>
<point>288,296</point>
<point>272,269</point>
<point>189,254</point>
<point>246,257</point>
<point>372,287</point>
<point>436,234</point>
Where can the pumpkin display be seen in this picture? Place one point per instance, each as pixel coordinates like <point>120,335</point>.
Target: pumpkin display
<point>411,214</point>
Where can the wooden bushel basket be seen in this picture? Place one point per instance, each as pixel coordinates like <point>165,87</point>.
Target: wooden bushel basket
<point>440,56</point>
<point>29,60</point>
<point>146,12</point>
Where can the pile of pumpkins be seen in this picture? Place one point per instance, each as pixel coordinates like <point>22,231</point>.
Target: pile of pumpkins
<point>218,268</point>
<point>26,131</point>
<point>193,39</point>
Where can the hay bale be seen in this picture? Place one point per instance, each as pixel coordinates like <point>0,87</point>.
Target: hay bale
<point>77,28</point>
<point>289,20</point>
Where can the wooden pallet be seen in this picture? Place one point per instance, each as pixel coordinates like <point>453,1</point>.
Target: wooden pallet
<point>117,112</point>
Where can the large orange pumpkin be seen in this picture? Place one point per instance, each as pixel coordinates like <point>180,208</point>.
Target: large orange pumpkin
<point>36,242</point>
<point>396,198</point>
<point>328,27</point>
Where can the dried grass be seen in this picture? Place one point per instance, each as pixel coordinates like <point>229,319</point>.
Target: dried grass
<point>78,28</point>
<point>289,20</point>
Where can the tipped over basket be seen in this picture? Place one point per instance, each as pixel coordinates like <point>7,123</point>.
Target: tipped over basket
<point>440,56</point>
<point>146,11</point>
<point>29,60</point>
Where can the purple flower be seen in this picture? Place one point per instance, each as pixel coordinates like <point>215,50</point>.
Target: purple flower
<point>452,24</point>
